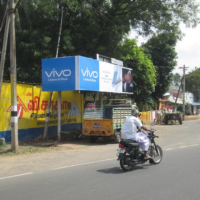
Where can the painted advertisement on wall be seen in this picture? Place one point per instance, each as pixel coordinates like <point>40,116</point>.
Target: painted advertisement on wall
<point>32,107</point>
<point>58,74</point>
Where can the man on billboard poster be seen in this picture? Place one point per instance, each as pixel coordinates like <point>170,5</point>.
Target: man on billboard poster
<point>127,85</point>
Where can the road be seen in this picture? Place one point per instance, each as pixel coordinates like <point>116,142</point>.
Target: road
<point>100,177</point>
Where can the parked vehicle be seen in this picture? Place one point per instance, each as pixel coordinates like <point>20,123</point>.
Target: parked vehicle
<point>107,122</point>
<point>130,155</point>
<point>173,116</point>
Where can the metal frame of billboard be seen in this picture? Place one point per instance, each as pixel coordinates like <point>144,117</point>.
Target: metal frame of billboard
<point>109,60</point>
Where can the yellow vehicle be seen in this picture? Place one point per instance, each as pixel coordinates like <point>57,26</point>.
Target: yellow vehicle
<point>107,122</point>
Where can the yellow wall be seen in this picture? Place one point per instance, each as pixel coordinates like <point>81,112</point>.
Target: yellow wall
<point>32,105</point>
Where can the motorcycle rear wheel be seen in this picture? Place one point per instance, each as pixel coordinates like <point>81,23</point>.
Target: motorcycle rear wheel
<point>157,157</point>
<point>124,165</point>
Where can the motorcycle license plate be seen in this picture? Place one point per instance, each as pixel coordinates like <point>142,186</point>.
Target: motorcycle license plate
<point>121,151</point>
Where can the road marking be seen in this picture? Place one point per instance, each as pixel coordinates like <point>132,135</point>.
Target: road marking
<point>194,145</point>
<point>84,164</point>
<point>182,147</point>
<point>169,149</point>
<point>16,175</point>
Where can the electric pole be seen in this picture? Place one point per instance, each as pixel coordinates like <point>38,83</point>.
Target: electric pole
<point>4,48</point>
<point>13,79</point>
<point>184,68</point>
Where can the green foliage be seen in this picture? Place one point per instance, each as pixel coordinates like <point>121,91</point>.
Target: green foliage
<point>161,48</point>
<point>144,72</point>
<point>93,26</point>
<point>192,82</point>
<point>187,105</point>
<point>176,79</point>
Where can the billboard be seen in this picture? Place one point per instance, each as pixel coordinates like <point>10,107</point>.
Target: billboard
<point>88,74</point>
<point>127,80</point>
<point>115,78</point>
<point>110,77</point>
<point>81,73</point>
<point>58,74</point>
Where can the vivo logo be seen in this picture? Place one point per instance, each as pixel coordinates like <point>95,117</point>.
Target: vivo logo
<point>54,73</point>
<point>87,73</point>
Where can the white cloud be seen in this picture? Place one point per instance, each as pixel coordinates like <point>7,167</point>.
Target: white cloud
<point>188,49</point>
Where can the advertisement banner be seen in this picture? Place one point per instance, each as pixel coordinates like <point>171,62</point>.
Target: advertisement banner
<point>127,80</point>
<point>110,77</point>
<point>81,73</point>
<point>114,78</point>
<point>32,107</point>
<point>58,74</point>
<point>88,74</point>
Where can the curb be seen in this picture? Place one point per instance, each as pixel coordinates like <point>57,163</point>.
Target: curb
<point>191,117</point>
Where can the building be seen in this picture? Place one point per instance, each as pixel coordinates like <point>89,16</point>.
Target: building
<point>173,101</point>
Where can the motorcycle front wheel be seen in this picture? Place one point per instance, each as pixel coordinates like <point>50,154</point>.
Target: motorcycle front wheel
<point>124,163</point>
<point>157,156</point>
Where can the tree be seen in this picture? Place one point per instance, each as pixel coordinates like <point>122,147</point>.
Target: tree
<point>144,73</point>
<point>162,51</point>
<point>192,82</point>
<point>90,27</point>
<point>176,78</point>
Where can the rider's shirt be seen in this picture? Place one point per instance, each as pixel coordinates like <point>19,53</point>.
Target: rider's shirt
<point>129,129</point>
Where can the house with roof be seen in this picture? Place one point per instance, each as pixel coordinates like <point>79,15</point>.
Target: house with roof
<point>172,100</point>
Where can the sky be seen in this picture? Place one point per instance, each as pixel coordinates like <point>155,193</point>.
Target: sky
<point>188,49</point>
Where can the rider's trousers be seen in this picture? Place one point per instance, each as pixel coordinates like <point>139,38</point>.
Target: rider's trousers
<point>143,140</point>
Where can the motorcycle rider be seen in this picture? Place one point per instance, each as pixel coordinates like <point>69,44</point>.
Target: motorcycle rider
<point>129,131</point>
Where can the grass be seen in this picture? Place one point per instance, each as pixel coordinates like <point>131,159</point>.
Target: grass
<point>6,150</point>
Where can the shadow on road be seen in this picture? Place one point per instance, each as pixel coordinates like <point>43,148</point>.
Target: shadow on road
<point>118,170</point>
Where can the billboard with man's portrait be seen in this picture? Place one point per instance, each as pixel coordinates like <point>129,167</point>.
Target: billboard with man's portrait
<point>127,80</point>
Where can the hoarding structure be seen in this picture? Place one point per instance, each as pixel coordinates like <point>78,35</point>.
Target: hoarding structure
<point>81,73</point>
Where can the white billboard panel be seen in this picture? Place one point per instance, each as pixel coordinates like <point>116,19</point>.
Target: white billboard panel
<point>110,77</point>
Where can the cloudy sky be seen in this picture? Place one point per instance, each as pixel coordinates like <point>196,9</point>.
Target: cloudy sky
<point>188,49</point>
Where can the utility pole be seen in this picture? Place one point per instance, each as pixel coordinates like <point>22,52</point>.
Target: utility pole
<point>3,52</point>
<point>59,92</point>
<point>13,79</point>
<point>175,109</point>
<point>184,68</point>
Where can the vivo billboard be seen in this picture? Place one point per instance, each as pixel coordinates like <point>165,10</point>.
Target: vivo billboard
<point>58,74</point>
<point>115,78</point>
<point>88,74</point>
<point>81,73</point>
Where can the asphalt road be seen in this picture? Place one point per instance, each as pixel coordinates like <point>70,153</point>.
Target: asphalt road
<point>176,177</point>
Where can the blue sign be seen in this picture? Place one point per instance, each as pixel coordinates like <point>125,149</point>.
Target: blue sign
<point>88,74</point>
<point>58,74</point>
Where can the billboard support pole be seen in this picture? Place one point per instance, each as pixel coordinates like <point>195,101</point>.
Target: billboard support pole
<point>101,99</point>
<point>59,93</point>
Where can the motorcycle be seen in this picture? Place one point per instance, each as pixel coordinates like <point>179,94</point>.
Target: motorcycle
<point>130,155</point>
